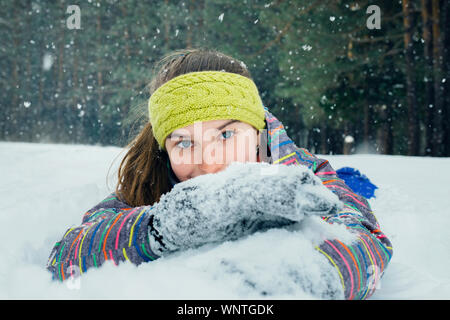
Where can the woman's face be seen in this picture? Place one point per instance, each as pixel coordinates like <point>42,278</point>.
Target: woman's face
<point>210,146</point>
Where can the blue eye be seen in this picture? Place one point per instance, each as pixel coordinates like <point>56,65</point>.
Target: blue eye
<point>184,145</point>
<point>227,136</point>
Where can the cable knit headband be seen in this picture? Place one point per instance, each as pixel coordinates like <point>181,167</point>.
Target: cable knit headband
<point>204,96</point>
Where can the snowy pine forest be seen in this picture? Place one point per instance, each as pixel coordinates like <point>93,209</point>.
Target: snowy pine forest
<point>344,76</point>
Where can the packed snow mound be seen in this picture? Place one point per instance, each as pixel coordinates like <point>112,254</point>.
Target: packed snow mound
<point>47,188</point>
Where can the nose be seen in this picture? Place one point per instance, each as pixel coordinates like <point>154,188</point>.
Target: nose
<point>211,164</point>
<point>210,168</point>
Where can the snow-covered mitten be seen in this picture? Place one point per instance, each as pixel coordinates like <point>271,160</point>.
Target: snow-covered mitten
<point>236,202</point>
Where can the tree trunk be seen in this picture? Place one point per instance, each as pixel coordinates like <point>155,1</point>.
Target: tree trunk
<point>166,29</point>
<point>437,70</point>
<point>77,125</point>
<point>126,34</point>
<point>386,136</point>
<point>366,124</point>
<point>429,95</point>
<point>101,128</point>
<point>348,143</point>
<point>446,85</point>
<point>190,26</point>
<point>15,114</point>
<point>201,21</point>
<point>59,107</point>
<point>323,139</point>
<point>411,97</point>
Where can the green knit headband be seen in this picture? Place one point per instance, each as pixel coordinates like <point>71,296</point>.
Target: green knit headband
<point>204,96</point>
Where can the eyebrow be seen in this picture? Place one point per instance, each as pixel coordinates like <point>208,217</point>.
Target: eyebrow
<point>177,135</point>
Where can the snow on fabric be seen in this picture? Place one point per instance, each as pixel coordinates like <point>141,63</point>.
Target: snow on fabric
<point>46,188</point>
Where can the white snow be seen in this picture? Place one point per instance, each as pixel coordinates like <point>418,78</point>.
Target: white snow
<point>46,188</point>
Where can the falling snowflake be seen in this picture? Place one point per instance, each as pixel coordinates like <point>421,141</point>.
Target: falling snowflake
<point>349,139</point>
<point>47,61</point>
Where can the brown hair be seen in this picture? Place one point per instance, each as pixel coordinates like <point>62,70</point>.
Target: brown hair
<point>143,172</point>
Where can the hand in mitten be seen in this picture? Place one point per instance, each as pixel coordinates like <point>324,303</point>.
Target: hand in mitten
<point>236,202</point>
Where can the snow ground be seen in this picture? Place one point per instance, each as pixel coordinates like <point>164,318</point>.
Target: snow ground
<point>47,187</point>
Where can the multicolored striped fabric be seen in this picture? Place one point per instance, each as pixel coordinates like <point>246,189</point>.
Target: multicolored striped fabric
<point>361,265</point>
<point>114,231</point>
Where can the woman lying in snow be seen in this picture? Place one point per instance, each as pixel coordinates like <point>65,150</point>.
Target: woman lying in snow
<point>214,165</point>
